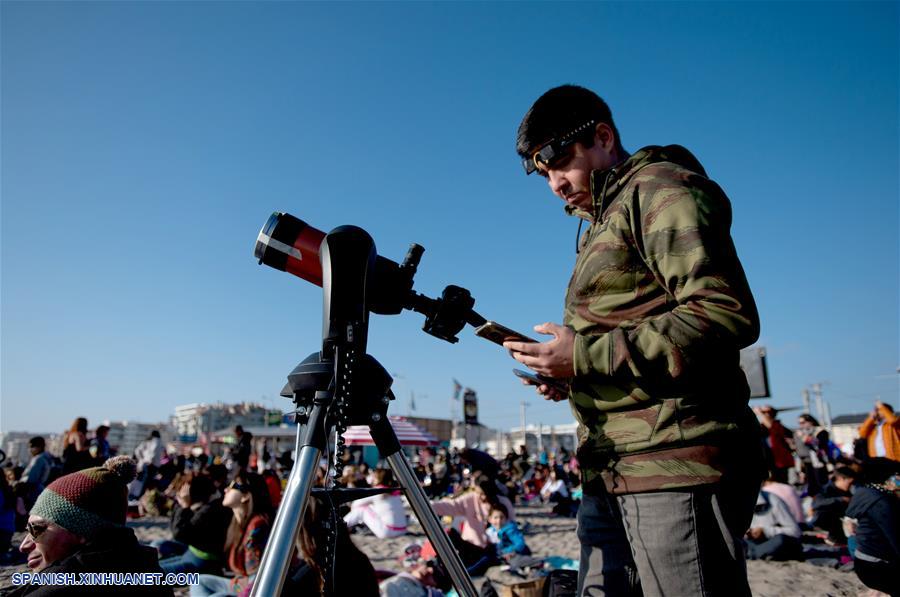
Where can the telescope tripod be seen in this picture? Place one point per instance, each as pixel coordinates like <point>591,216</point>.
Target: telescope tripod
<point>335,388</point>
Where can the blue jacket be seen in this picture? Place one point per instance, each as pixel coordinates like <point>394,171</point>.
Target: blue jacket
<point>510,539</point>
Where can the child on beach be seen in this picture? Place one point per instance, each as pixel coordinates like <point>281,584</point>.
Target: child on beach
<point>505,534</point>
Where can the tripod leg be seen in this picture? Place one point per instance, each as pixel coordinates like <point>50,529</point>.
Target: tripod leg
<point>277,556</point>
<point>389,446</point>
<point>431,525</point>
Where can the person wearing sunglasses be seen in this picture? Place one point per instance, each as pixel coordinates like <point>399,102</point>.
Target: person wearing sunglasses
<point>77,525</point>
<point>656,312</point>
<point>252,515</point>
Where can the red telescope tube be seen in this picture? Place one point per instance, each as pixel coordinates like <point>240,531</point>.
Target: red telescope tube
<point>292,246</point>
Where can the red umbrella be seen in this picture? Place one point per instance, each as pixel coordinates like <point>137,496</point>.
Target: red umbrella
<point>408,433</point>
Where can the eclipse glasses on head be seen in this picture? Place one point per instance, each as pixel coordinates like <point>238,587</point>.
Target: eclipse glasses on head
<point>553,151</point>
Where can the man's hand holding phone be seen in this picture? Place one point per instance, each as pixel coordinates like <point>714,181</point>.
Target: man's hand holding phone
<point>550,359</point>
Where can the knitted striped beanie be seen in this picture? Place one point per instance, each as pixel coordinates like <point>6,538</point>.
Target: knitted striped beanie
<point>88,500</point>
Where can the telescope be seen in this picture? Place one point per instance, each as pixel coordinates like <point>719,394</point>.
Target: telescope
<point>341,385</point>
<point>293,246</point>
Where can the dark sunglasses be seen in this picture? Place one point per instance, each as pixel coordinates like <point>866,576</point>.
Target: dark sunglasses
<point>35,530</point>
<point>554,151</point>
<point>239,486</point>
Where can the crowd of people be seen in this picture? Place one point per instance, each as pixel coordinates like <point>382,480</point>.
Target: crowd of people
<point>818,505</point>
<point>221,509</point>
<point>827,507</point>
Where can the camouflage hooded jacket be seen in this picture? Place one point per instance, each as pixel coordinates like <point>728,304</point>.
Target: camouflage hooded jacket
<point>661,308</point>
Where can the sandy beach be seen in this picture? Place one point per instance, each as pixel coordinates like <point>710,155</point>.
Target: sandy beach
<point>552,536</point>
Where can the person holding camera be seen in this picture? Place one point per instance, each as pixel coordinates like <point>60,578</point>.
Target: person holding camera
<point>656,312</point>
<point>881,430</point>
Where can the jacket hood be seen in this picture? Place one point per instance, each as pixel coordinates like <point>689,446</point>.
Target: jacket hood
<point>607,184</point>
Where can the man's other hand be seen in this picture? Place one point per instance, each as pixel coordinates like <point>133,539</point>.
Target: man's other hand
<point>553,358</point>
<point>547,392</point>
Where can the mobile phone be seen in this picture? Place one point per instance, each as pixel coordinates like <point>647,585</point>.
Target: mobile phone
<point>541,380</point>
<point>500,333</point>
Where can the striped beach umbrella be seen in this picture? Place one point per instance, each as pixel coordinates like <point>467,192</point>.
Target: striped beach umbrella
<point>407,432</point>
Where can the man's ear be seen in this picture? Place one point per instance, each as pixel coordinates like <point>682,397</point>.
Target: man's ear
<point>605,136</point>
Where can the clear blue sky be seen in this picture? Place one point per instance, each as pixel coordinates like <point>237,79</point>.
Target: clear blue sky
<point>145,144</point>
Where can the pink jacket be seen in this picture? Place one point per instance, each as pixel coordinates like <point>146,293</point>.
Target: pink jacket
<point>470,507</point>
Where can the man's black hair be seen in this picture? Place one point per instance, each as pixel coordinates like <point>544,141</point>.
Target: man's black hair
<point>154,433</point>
<point>37,442</point>
<point>560,111</point>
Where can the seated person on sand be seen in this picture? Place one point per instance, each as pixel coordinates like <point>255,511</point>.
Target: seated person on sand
<point>875,509</point>
<point>153,502</point>
<point>8,503</point>
<point>384,513</point>
<point>556,491</point>
<point>420,578</point>
<point>532,485</point>
<point>474,507</point>
<point>199,524</point>
<point>773,534</point>
<point>353,574</point>
<point>831,504</point>
<point>77,525</point>
<point>505,534</point>
<point>251,521</point>
<point>788,495</point>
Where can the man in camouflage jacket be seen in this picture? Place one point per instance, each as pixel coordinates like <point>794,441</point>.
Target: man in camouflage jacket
<point>657,310</point>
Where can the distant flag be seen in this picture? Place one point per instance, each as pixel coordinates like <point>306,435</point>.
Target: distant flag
<point>457,388</point>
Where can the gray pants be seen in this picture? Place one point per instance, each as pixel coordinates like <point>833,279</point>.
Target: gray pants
<point>675,542</point>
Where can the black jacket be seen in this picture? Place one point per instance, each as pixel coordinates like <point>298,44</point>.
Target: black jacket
<point>204,529</point>
<point>878,516</point>
<point>116,550</point>
<point>829,506</point>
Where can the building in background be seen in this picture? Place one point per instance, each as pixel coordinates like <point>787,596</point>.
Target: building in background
<point>15,445</point>
<point>195,423</point>
<point>845,430</point>
<point>124,436</point>
<point>543,437</point>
